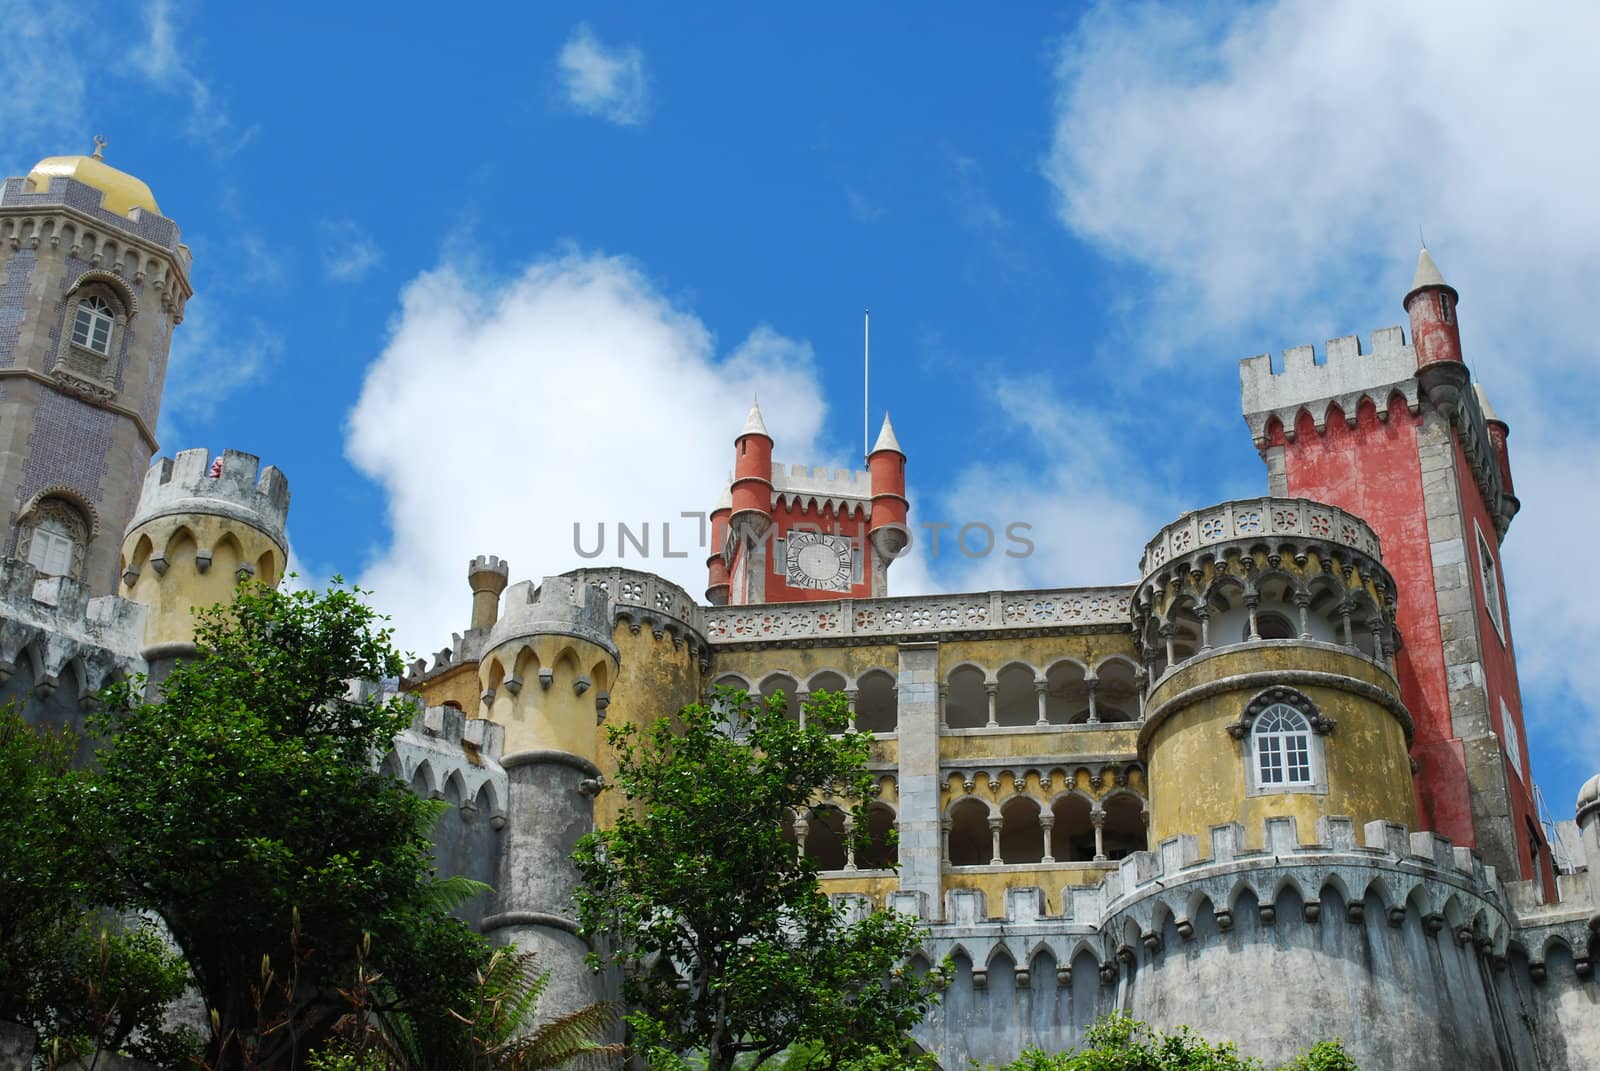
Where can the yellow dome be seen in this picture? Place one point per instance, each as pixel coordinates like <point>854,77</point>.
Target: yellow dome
<point>123,192</point>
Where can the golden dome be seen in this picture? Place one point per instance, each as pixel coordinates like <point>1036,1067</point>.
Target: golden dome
<point>123,193</point>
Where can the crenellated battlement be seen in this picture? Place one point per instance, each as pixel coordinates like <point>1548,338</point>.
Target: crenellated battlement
<point>1415,877</point>
<point>446,755</point>
<point>486,564</point>
<point>239,490</point>
<point>559,605</point>
<point>53,627</point>
<point>841,490</point>
<point>1344,378</point>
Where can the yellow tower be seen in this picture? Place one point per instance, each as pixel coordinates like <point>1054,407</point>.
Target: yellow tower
<point>201,526</point>
<point>1267,630</point>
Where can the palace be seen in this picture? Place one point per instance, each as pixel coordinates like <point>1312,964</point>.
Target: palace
<point>1277,789</point>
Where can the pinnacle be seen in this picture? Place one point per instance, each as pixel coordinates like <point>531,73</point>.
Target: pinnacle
<point>1483,402</point>
<point>1427,272</point>
<point>753,424</point>
<point>886,438</point>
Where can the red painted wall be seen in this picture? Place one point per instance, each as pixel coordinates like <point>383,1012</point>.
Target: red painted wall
<point>852,526</point>
<point>1373,471</point>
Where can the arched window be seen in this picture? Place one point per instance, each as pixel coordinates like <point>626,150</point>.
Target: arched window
<point>1281,742</point>
<point>55,534</point>
<point>91,326</point>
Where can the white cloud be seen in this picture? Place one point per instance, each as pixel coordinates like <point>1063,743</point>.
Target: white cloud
<point>608,82</point>
<point>44,85</point>
<point>1269,167</point>
<point>503,412</point>
<point>348,252</point>
<point>160,57</point>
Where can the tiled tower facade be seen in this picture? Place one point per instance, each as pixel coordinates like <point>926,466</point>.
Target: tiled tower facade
<point>93,279</point>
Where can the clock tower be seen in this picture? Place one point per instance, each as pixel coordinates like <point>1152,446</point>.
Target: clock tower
<point>794,533</point>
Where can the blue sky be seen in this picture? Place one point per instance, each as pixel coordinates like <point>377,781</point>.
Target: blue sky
<point>471,280</point>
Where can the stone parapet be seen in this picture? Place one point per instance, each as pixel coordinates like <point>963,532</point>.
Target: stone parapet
<point>1251,520</point>
<point>1343,380</point>
<point>921,617</point>
<point>242,491</point>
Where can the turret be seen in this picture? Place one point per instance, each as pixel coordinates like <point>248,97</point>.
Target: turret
<point>887,464</point>
<point>752,477</point>
<point>201,526</point>
<point>487,575</point>
<point>1435,332</point>
<point>1589,829</point>
<point>718,582</point>
<point>1499,430</point>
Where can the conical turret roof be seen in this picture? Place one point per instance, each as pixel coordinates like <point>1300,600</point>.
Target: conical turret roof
<point>753,424</point>
<point>1428,275</point>
<point>886,438</point>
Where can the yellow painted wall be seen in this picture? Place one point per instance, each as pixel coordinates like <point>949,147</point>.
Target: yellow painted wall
<point>804,662</point>
<point>1038,651</point>
<point>1197,769</point>
<point>458,685</point>
<point>557,717</point>
<point>981,745</point>
<point>173,596</point>
<point>1050,878</point>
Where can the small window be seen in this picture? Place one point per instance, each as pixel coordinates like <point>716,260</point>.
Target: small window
<point>1490,575</point>
<point>50,550</point>
<point>91,327</point>
<point>1282,747</point>
<point>1511,740</point>
<point>1444,307</point>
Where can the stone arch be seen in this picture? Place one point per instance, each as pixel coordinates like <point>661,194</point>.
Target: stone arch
<point>227,555</point>
<point>826,680</point>
<point>1117,692</point>
<point>488,799</point>
<point>68,523</point>
<point>969,841</point>
<point>825,840</point>
<point>267,571</point>
<point>966,703</point>
<point>1072,827</point>
<point>181,547</point>
<point>1066,692</point>
<point>774,683</point>
<point>877,702</point>
<point>109,285</point>
<point>1124,830</point>
<point>1016,699</point>
<point>1021,833</point>
<point>1182,626</point>
<point>423,781</point>
<point>142,549</point>
<point>881,850</point>
<point>454,788</point>
<point>390,767</point>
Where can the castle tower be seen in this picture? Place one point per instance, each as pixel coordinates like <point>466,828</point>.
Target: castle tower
<point>201,526</point>
<point>93,279</point>
<point>798,534</point>
<point>1267,633</point>
<point>1398,437</point>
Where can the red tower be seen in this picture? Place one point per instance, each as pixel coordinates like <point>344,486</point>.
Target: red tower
<point>1400,437</point>
<point>791,533</point>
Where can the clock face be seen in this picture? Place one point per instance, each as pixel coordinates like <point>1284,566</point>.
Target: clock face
<point>818,561</point>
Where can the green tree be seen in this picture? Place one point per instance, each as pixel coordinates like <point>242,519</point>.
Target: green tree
<point>728,946</point>
<point>241,807</point>
<point>42,886</point>
<point>1118,1042</point>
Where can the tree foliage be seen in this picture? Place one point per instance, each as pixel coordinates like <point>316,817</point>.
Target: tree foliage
<point>729,947</point>
<point>240,806</point>
<point>1118,1042</point>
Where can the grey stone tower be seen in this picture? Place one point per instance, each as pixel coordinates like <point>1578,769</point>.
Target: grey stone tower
<point>92,281</point>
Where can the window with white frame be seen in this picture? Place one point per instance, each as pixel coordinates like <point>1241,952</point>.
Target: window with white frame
<point>50,550</point>
<point>91,325</point>
<point>1489,574</point>
<point>1282,746</point>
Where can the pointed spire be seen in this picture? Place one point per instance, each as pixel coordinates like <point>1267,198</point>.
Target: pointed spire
<point>753,424</point>
<point>886,438</point>
<point>1427,272</point>
<point>1483,403</point>
<point>725,500</point>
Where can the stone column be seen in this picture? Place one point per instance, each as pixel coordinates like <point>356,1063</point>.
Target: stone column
<point>551,805</point>
<point>1094,713</point>
<point>1302,599</point>
<point>922,854</point>
<point>850,695</point>
<point>1204,614</point>
<point>1038,691</point>
<point>1252,603</point>
<point>994,837</point>
<point>1098,819</point>
<point>849,843</point>
<point>990,689</point>
<point>1047,822</point>
<point>1172,652</point>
